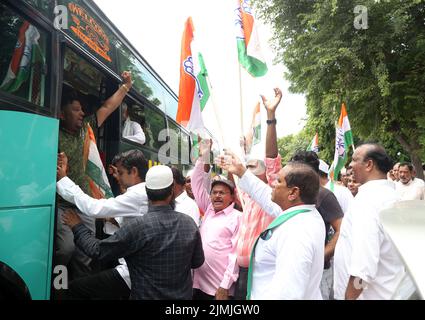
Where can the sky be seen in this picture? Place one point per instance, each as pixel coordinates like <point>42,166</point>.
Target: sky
<point>155,29</point>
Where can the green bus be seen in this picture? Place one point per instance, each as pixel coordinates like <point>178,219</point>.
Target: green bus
<point>46,48</point>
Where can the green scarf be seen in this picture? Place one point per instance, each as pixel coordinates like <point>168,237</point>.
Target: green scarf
<point>275,223</point>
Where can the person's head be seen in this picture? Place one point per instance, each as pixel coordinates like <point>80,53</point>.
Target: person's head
<point>297,184</point>
<point>343,176</point>
<point>179,181</point>
<point>117,158</point>
<point>390,175</point>
<point>405,172</point>
<point>132,167</point>
<point>159,185</point>
<point>323,172</point>
<point>72,114</point>
<point>370,162</point>
<point>114,162</point>
<point>395,171</point>
<point>352,185</point>
<point>188,185</point>
<point>349,172</point>
<point>222,194</point>
<point>258,168</point>
<point>308,157</point>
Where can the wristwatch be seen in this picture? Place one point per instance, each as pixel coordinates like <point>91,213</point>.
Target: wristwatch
<point>271,121</point>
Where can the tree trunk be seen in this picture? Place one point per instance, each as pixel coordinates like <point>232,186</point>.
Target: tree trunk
<point>417,163</point>
<point>412,149</point>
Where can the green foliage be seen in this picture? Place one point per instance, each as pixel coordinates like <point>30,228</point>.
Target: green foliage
<point>378,72</point>
<point>290,144</point>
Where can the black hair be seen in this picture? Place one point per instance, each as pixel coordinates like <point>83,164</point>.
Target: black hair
<point>68,97</point>
<point>379,156</point>
<point>303,176</point>
<point>178,176</point>
<point>116,159</point>
<point>406,164</point>
<point>308,157</point>
<point>159,195</point>
<point>135,158</point>
<point>322,174</point>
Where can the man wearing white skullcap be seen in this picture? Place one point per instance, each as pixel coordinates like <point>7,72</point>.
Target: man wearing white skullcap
<point>160,248</point>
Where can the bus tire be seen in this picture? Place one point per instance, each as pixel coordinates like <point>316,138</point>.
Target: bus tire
<point>12,287</point>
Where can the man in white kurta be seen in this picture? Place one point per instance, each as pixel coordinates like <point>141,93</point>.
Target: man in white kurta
<point>184,203</point>
<point>367,265</point>
<point>288,264</point>
<point>132,130</point>
<point>409,187</point>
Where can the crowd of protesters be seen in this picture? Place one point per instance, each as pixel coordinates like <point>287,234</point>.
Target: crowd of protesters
<point>259,231</point>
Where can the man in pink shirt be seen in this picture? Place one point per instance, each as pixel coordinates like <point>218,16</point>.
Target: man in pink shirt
<point>219,228</point>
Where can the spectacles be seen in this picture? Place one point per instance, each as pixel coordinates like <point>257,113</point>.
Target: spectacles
<point>219,193</point>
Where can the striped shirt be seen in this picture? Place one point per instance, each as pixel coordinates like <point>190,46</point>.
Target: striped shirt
<point>254,219</point>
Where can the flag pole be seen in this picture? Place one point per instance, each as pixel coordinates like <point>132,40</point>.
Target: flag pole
<point>217,118</point>
<point>240,98</point>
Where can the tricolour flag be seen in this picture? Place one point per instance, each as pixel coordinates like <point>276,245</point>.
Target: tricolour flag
<point>195,147</point>
<point>202,80</point>
<point>256,125</point>
<point>20,65</point>
<point>314,144</point>
<point>254,135</point>
<point>343,140</point>
<point>249,50</point>
<point>192,90</point>
<point>93,167</point>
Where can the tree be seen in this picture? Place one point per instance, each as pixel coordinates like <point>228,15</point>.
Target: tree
<point>290,144</point>
<point>377,69</point>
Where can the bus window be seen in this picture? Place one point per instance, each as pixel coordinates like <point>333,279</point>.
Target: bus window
<point>151,121</point>
<point>142,80</point>
<point>175,137</point>
<point>185,147</point>
<point>44,6</point>
<point>81,75</point>
<point>23,66</point>
<point>131,128</point>
<point>170,105</point>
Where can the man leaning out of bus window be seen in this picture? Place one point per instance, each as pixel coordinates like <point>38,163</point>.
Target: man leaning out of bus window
<point>74,128</point>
